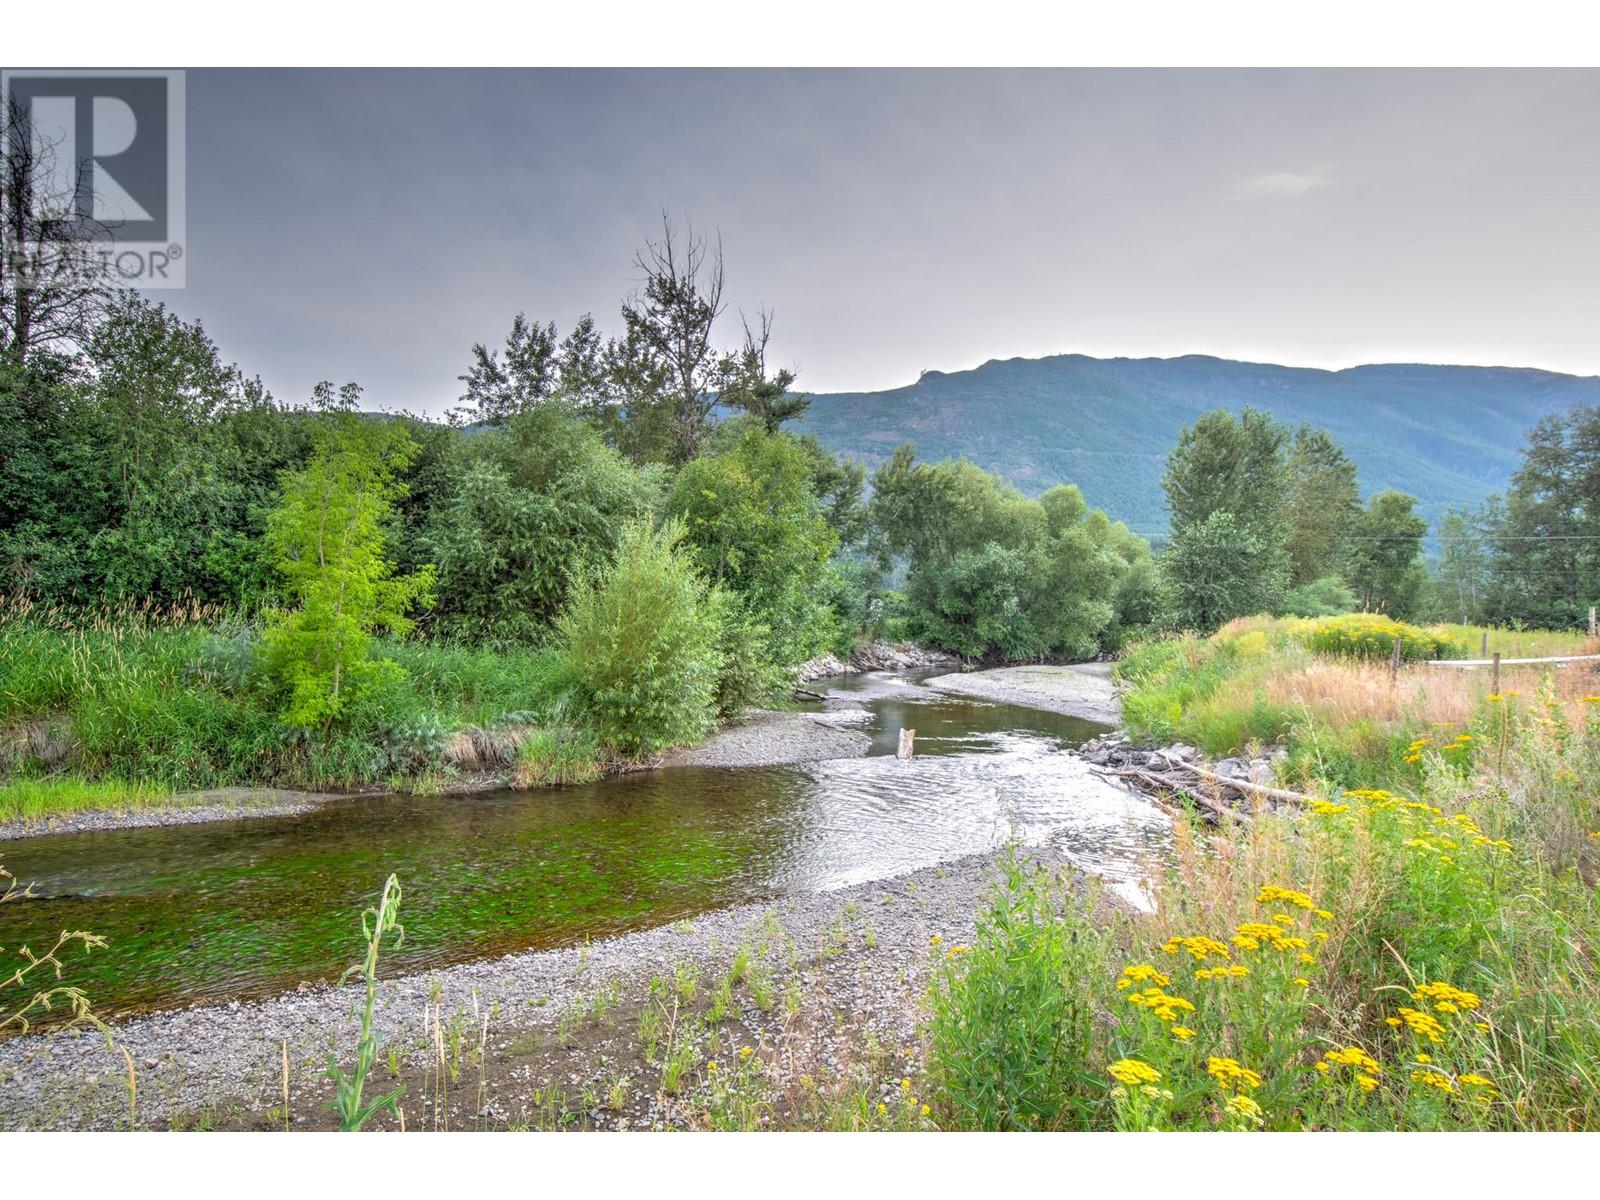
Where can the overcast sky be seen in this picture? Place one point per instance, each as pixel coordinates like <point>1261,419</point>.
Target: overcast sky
<point>373,225</point>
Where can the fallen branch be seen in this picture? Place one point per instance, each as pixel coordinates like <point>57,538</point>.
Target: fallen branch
<point>1216,807</point>
<point>1256,789</point>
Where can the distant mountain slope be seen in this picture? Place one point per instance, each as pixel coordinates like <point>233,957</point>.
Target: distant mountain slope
<point>1449,435</point>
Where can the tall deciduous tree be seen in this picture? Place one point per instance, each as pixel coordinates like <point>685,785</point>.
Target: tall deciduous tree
<point>1323,503</point>
<point>1226,482</point>
<point>1237,465</point>
<point>1384,564</point>
<point>498,388</point>
<point>1221,570</point>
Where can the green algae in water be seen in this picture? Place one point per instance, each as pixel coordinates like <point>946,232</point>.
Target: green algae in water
<point>249,907</point>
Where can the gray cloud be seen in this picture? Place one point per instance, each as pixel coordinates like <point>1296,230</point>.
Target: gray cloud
<point>372,225</point>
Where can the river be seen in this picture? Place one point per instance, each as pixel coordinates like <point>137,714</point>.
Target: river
<point>253,906</point>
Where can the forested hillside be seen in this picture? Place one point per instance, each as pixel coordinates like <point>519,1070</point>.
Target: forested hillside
<point>1448,435</point>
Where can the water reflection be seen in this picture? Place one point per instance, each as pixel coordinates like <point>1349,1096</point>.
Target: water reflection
<point>210,911</point>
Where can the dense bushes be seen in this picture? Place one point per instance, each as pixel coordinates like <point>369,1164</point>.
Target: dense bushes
<point>528,508</point>
<point>1373,636</point>
<point>993,574</point>
<point>640,645</point>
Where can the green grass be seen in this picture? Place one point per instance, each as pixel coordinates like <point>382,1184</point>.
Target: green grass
<point>186,705</point>
<point>55,796</point>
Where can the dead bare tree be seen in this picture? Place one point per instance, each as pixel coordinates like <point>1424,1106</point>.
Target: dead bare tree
<point>672,316</point>
<point>53,286</point>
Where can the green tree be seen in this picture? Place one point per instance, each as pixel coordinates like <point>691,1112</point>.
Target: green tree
<point>1221,570</point>
<point>529,507</point>
<point>991,573</point>
<point>641,644</point>
<point>668,345</point>
<point>498,388</point>
<point>327,538</point>
<point>745,384</point>
<point>1546,538</point>
<point>1384,563</point>
<point>755,527</point>
<point>1461,579</point>
<point>1237,465</point>
<point>1324,501</point>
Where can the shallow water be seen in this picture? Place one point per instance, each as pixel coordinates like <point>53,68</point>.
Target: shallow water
<point>251,906</point>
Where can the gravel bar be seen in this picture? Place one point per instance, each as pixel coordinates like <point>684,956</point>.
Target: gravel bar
<point>1081,690</point>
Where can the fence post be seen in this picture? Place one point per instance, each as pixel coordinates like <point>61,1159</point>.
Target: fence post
<point>1494,686</point>
<point>1484,653</point>
<point>1594,626</point>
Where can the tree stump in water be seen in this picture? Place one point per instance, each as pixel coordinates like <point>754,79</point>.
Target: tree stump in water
<point>907,738</point>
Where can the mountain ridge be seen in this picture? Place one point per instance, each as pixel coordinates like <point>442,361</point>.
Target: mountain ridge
<point>1447,433</point>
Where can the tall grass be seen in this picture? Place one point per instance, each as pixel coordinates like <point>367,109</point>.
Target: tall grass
<point>29,799</point>
<point>1341,715</point>
<point>178,699</point>
<point>1416,959</point>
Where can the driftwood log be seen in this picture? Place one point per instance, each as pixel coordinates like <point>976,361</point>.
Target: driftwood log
<point>1206,788</point>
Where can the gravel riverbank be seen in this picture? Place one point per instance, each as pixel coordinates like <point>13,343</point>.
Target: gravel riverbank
<point>768,739</point>
<point>1080,690</point>
<point>837,971</point>
<point>219,804</point>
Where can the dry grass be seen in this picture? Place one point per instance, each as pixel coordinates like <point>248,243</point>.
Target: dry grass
<point>1340,693</point>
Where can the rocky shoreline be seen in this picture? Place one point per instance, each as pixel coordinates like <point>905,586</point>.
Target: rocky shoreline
<point>876,656</point>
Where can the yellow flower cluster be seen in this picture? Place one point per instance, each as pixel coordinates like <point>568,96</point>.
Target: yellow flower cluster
<point>1165,1007</point>
<point>1364,1066</point>
<point>1326,808</point>
<point>1142,973</point>
<point>1237,971</point>
<point>1272,894</point>
<point>1199,948</point>
<point>1445,999</point>
<point>1424,1025</point>
<point>1232,1077</point>
<point>1252,935</point>
<point>1434,1079</point>
<point>1244,1106</point>
<point>1131,1071</point>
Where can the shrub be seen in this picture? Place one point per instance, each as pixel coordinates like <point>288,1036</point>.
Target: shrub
<point>640,645</point>
<point>1013,1015</point>
<point>1372,635</point>
<point>1326,597</point>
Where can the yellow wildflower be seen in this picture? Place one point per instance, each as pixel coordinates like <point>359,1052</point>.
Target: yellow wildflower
<point>1272,894</point>
<point>1243,1106</point>
<point>1182,1032</point>
<point>1442,994</point>
<point>1228,1073</point>
<point>1131,1071</point>
<point>1356,1057</point>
